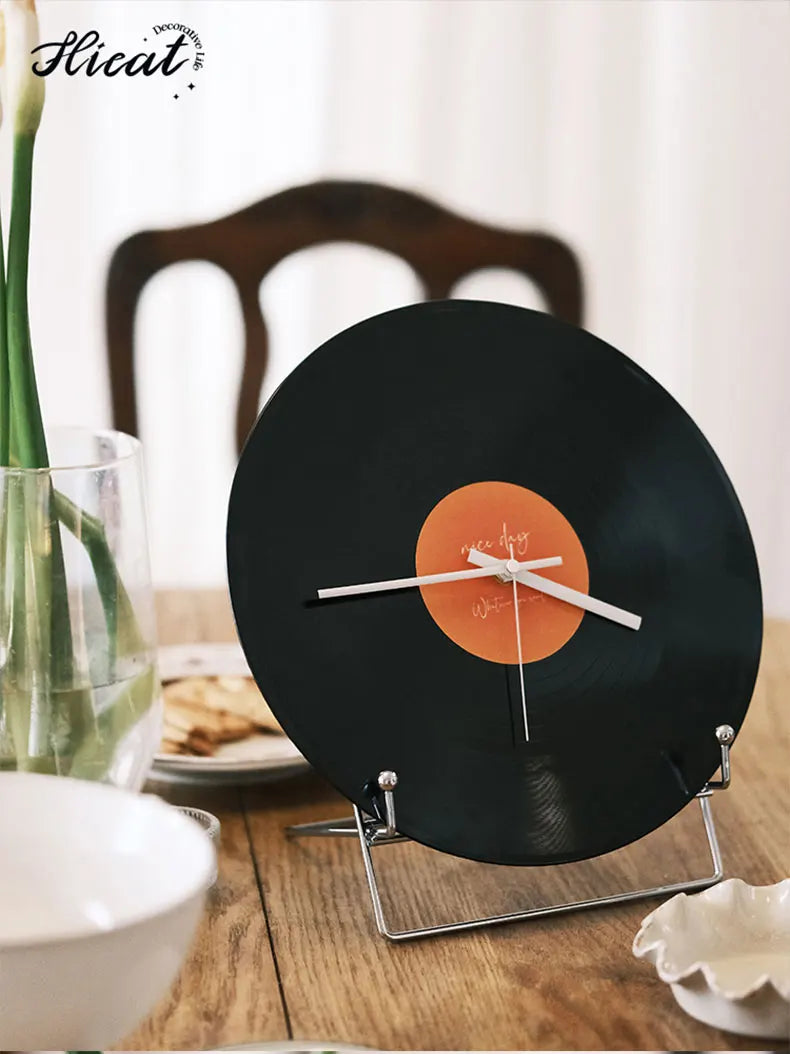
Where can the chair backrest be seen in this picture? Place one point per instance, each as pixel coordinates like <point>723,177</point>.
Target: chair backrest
<point>441,247</point>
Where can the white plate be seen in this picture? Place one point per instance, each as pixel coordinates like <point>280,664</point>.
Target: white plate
<point>249,760</point>
<point>202,660</point>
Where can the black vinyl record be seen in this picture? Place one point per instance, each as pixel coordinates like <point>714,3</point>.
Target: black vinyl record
<point>420,435</point>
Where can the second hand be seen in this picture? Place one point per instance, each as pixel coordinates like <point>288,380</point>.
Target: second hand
<point>520,657</point>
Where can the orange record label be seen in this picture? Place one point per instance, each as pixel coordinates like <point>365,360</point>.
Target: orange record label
<point>478,614</point>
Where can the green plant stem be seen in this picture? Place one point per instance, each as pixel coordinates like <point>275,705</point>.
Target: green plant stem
<point>45,568</point>
<point>31,446</point>
<point>28,426</point>
<point>132,703</point>
<point>30,441</point>
<point>5,376</point>
<point>6,581</point>
<point>123,631</point>
<point>15,693</point>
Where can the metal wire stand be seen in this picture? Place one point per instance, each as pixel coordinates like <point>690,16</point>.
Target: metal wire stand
<point>372,832</point>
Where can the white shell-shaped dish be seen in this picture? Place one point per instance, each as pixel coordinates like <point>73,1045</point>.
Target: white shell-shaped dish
<point>725,953</point>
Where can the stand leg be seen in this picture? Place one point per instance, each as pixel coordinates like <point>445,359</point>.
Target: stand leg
<point>383,831</point>
<point>345,828</point>
<point>553,909</point>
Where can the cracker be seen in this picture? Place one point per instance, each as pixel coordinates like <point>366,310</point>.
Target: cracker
<point>241,695</point>
<point>202,712</point>
<point>186,741</point>
<point>214,725</point>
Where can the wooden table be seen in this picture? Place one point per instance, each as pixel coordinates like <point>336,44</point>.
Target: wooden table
<point>287,948</point>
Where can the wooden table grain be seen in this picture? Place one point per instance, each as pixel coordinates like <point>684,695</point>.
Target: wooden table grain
<point>288,949</point>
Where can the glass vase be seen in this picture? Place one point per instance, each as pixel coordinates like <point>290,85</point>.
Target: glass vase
<point>79,692</point>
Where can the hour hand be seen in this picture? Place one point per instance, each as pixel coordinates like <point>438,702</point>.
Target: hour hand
<point>522,573</point>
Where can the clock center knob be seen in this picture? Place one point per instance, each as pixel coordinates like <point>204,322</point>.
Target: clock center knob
<point>512,567</point>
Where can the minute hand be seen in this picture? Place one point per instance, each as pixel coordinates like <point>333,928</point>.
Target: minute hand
<point>565,593</point>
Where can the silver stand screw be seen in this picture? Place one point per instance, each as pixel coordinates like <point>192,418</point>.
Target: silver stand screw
<point>725,734</point>
<point>388,781</point>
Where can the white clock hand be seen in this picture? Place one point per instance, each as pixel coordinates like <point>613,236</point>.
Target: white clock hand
<point>561,592</point>
<point>492,568</point>
<point>520,656</point>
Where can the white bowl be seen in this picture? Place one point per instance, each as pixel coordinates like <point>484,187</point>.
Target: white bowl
<point>725,953</point>
<point>100,894</point>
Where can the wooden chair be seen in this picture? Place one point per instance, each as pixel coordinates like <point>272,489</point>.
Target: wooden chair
<point>441,246</point>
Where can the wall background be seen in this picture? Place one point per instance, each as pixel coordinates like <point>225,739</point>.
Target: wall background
<point>651,135</point>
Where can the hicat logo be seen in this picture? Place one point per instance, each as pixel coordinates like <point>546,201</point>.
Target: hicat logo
<point>173,48</point>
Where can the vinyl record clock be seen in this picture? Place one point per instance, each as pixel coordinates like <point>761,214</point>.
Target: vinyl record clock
<point>482,548</point>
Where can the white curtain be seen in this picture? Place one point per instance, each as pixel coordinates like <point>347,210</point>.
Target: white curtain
<point>653,136</point>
